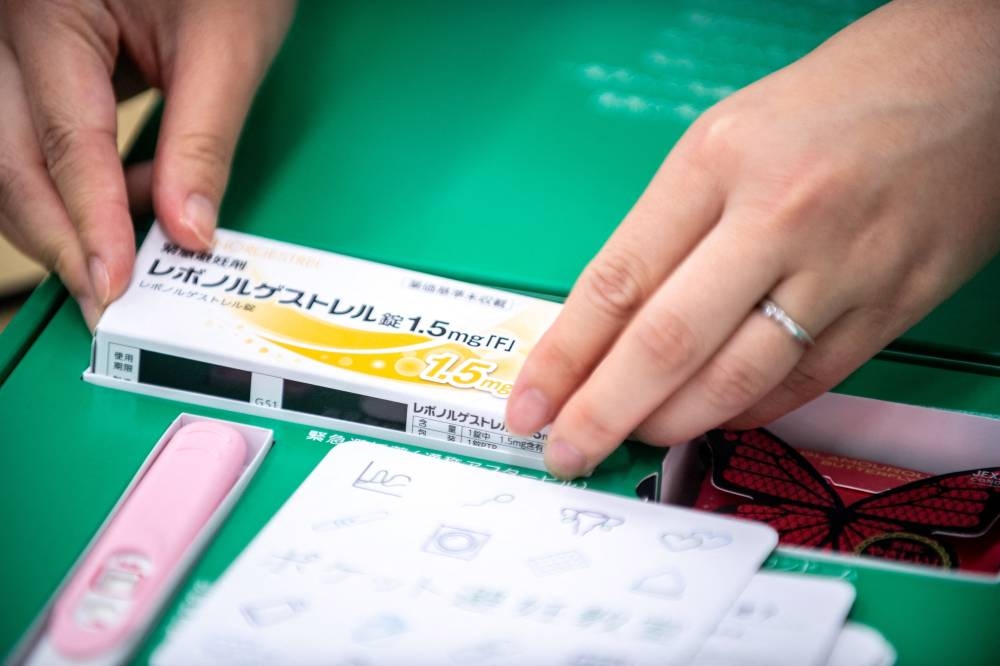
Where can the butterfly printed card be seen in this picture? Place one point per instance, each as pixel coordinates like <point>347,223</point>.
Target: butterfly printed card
<point>841,504</point>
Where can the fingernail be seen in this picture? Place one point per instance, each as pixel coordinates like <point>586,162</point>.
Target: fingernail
<point>91,313</point>
<point>529,411</point>
<point>200,216</point>
<point>565,461</point>
<point>99,281</point>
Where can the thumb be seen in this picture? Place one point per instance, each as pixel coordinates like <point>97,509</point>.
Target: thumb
<point>217,63</point>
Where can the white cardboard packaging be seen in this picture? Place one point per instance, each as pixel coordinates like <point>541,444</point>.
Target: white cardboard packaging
<point>35,649</point>
<point>934,441</point>
<point>288,332</point>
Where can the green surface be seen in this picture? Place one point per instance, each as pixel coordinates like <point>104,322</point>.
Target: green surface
<point>500,143</point>
<point>504,142</point>
<point>71,449</point>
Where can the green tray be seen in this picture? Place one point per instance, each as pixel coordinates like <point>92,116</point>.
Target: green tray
<point>476,141</point>
<point>504,142</point>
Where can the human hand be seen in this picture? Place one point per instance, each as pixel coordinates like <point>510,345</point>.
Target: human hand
<point>857,188</point>
<point>63,194</point>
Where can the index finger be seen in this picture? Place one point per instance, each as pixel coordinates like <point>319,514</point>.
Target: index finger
<point>691,315</point>
<point>67,52</point>
<point>681,203</point>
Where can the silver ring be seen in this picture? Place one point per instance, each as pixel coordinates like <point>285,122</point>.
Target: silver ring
<point>773,311</point>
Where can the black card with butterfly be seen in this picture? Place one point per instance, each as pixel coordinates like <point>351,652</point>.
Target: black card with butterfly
<point>912,522</point>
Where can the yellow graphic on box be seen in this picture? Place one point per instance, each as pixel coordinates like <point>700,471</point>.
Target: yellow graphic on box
<point>394,355</point>
<point>315,332</point>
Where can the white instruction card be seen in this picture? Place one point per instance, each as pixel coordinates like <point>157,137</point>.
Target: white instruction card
<point>383,556</point>
<point>781,619</point>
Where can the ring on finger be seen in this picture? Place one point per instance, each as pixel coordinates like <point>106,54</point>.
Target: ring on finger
<point>776,313</point>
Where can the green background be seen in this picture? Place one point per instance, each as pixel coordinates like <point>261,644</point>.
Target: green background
<point>499,143</point>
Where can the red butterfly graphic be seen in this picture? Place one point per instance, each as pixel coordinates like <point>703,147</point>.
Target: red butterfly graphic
<point>789,494</point>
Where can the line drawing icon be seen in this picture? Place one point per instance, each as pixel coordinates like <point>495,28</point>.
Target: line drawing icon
<point>234,650</point>
<point>594,659</point>
<point>338,572</point>
<point>750,611</point>
<point>502,498</point>
<point>660,629</point>
<point>485,651</point>
<point>667,584</point>
<point>585,521</point>
<point>381,481</point>
<point>680,541</point>
<point>349,521</point>
<point>268,613</point>
<point>457,542</point>
<point>281,562</point>
<point>379,628</point>
<point>558,563</point>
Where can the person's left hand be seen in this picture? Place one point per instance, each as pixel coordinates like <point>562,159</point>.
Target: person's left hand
<point>64,198</point>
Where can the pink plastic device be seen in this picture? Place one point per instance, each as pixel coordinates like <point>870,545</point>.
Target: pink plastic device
<point>124,575</point>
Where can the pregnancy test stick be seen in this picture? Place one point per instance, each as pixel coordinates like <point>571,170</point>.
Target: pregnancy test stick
<point>128,568</point>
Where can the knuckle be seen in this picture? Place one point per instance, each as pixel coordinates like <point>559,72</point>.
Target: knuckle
<point>557,360</point>
<point>753,417</point>
<point>666,340</point>
<point>733,383</point>
<point>90,22</point>
<point>799,196</point>
<point>59,257</point>
<point>64,257</point>
<point>98,27</point>
<point>887,321</point>
<point>206,149</point>
<point>57,141</point>
<point>804,384</point>
<point>69,152</point>
<point>713,137</point>
<point>10,189</point>
<point>15,8</point>
<point>615,284</point>
<point>584,416</point>
<point>656,431</point>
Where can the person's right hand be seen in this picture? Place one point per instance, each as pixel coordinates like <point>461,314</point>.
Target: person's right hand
<point>63,194</point>
<point>857,187</point>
